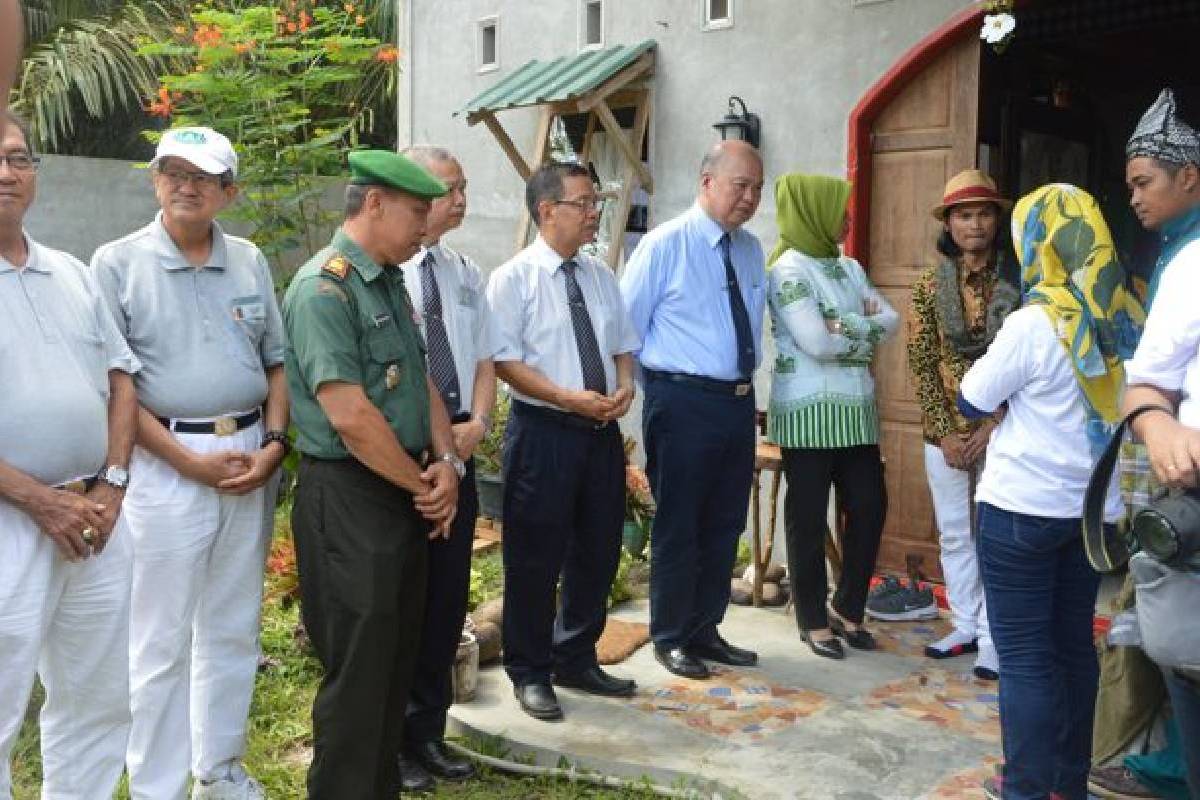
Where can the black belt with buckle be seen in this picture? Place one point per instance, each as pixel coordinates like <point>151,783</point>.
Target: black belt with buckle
<point>79,486</point>
<point>222,426</point>
<point>715,385</point>
<point>562,417</point>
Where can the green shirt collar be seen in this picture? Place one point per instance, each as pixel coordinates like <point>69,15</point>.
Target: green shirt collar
<point>366,267</point>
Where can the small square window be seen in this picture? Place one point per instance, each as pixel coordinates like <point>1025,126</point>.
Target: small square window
<point>591,24</point>
<point>718,14</point>
<point>487,44</point>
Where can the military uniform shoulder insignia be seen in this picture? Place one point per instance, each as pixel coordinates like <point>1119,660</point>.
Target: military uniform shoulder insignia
<point>338,266</point>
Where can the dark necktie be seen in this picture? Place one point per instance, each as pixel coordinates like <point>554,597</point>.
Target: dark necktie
<point>441,357</point>
<point>741,317</point>
<point>585,335</point>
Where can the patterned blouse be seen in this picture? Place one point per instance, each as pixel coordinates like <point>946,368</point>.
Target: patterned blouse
<point>936,365</point>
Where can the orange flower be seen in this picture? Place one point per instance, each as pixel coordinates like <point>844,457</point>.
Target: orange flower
<point>387,54</point>
<point>349,8</point>
<point>291,27</point>
<point>241,47</point>
<point>305,21</point>
<point>207,36</point>
<point>360,20</point>
<point>161,107</point>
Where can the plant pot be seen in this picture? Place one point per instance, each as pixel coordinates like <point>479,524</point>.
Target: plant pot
<point>465,677</point>
<point>491,494</point>
<point>634,537</point>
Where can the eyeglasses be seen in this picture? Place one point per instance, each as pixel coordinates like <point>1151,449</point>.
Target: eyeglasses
<point>201,180</point>
<point>20,162</point>
<point>584,204</point>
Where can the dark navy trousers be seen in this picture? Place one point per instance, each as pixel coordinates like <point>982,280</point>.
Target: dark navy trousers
<point>447,584</point>
<point>700,462</point>
<point>564,503</point>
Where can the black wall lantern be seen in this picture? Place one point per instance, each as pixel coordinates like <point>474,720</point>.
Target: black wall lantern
<point>745,126</point>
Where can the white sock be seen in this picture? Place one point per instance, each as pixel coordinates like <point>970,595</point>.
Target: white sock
<point>988,658</point>
<point>953,639</point>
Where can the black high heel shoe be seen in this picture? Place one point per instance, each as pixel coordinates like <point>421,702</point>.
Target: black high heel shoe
<point>859,639</point>
<point>825,648</point>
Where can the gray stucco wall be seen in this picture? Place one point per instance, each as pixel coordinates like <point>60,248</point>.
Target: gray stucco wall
<point>800,64</point>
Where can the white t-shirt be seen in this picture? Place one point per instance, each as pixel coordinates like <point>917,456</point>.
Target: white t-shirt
<point>1167,354</point>
<point>1039,460</point>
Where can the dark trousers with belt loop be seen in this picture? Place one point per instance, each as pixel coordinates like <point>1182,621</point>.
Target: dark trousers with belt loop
<point>700,462</point>
<point>361,548</point>
<point>445,610</point>
<point>564,490</point>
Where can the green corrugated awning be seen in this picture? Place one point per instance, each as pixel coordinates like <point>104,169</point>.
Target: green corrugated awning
<point>555,81</point>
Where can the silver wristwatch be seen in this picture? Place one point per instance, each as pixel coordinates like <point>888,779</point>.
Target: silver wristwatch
<point>114,476</point>
<point>460,468</point>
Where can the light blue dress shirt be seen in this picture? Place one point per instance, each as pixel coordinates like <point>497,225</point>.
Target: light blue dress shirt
<point>675,289</point>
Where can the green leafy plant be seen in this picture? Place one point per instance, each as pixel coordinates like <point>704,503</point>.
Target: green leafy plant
<point>489,456</point>
<point>285,84</point>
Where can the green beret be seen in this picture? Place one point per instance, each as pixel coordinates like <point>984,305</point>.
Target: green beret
<point>386,168</point>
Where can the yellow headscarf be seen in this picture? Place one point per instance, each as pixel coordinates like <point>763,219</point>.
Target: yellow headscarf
<point>1070,268</point>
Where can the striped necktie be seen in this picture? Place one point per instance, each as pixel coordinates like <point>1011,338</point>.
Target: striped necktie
<point>590,361</point>
<point>741,317</point>
<point>437,343</point>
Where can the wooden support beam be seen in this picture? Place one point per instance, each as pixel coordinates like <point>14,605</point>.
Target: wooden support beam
<point>506,144</point>
<point>643,65</point>
<point>541,150</point>
<point>618,135</point>
<point>585,153</point>
<point>641,120</point>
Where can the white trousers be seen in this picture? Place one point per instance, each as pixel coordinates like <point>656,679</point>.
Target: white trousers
<point>198,560</point>
<point>951,491</point>
<point>68,623</point>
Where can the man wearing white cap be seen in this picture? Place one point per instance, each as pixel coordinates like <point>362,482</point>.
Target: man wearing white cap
<point>198,309</point>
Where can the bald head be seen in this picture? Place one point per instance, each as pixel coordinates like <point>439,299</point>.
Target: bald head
<point>447,211</point>
<point>731,183</point>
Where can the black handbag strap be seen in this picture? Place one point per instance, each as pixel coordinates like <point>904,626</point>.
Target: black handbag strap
<point>1106,550</point>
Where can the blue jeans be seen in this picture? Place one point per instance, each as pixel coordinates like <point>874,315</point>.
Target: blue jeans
<point>1041,599</point>
<point>1185,705</point>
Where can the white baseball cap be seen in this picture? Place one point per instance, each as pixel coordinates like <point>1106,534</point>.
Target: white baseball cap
<point>201,147</point>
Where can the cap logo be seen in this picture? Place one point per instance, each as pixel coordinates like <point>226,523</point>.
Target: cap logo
<point>190,137</point>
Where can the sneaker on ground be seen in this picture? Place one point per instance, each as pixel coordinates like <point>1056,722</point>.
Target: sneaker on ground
<point>229,789</point>
<point>893,601</point>
<point>955,643</point>
<point>1117,782</point>
<point>987,664</point>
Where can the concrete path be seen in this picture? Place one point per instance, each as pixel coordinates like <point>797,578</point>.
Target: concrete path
<point>883,725</point>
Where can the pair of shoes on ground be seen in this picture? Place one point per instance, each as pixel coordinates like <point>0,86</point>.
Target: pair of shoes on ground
<point>237,786</point>
<point>895,601</point>
<point>539,701</point>
<point>957,643</point>
<point>688,662</point>
<point>858,638</point>
<point>422,765</point>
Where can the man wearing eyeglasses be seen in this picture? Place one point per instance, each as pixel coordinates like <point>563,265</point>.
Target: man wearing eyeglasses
<point>564,344</point>
<point>67,420</point>
<point>198,308</point>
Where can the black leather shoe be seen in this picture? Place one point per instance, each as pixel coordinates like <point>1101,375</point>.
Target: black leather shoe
<point>859,639</point>
<point>594,680</point>
<point>413,777</point>
<point>723,652</point>
<point>676,660</point>
<point>439,761</point>
<point>539,701</point>
<point>825,648</point>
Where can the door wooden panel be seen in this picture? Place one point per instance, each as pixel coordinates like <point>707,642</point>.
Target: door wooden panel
<point>925,135</point>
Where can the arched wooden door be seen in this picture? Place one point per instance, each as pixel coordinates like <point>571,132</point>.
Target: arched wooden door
<point>925,134</point>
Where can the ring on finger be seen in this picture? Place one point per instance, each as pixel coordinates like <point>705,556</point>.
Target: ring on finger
<point>89,535</point>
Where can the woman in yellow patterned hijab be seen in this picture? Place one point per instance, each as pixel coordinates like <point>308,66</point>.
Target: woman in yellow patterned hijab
<point>1070,268</point>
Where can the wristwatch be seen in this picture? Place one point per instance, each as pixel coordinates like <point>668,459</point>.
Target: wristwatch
<point>114,476</point>
<point>460,468</point>
<point>277,436</point>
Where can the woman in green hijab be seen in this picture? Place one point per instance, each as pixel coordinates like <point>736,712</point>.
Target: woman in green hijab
<point>827,320</point>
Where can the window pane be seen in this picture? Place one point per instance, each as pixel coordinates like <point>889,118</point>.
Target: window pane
<point>488,44</point>
<point>718,10</point>
<point>592,24</point>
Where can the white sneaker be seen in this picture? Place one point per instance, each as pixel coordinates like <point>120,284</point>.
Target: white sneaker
<point>955,643</point>
<point>229,789</point>
<point>987,664</point>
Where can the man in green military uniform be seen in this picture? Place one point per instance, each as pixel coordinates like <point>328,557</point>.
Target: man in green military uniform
<point>379,472</point>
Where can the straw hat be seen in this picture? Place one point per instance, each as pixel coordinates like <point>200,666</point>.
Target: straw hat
<point>969,186</point>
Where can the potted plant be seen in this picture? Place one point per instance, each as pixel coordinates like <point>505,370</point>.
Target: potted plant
<point>639,505</point>
<point>489,460</point>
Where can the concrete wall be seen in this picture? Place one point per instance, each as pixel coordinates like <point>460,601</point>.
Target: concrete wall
<point>800,64</point>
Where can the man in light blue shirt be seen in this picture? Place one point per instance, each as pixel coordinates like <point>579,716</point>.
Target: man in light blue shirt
<point>695,289</point>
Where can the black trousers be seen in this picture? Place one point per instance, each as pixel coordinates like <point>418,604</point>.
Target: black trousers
<point>445,610</point>
<point>700,462</point>
<point>361,548</point>
<point>857,472</point>
<point>564,490</point>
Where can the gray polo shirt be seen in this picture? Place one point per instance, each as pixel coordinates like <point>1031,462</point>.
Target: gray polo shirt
<point>204,336</point>
<point>57,345</point>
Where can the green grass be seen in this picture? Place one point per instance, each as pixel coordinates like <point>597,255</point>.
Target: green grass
<point>279,745</point>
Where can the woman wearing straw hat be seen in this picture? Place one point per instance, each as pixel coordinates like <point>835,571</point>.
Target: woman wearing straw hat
<point>957,308</point>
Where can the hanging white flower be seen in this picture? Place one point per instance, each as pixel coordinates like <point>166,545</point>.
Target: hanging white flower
<point>997,27</point>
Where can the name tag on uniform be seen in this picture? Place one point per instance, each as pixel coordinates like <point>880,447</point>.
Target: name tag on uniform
<point>467,296</point>
<point>379,320</point>
<point>249,308</point>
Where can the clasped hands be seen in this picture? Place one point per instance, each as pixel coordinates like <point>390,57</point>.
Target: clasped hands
<point>602,408</point>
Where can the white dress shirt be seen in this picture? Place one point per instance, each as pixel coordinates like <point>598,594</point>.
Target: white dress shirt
<point>464,309</point>
<point>1039,460</point>
<point>531,320</point>
<point>1167,356</point>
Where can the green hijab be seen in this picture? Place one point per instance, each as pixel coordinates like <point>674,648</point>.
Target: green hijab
<point>809,210</point>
